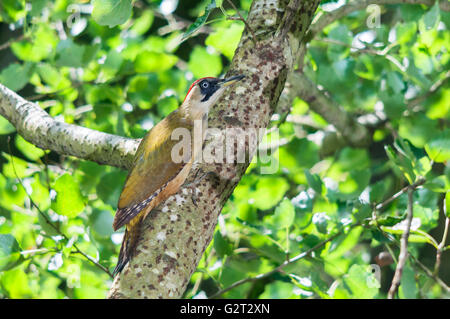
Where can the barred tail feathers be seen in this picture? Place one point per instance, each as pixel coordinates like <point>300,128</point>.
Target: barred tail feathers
<point>128,248</point>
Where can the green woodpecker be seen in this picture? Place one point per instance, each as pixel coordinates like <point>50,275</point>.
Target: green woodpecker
<point>154,175</point>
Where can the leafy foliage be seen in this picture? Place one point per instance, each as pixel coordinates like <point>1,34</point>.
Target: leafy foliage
<point>120,67</point>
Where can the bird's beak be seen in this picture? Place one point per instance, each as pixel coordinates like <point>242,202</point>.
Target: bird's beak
<point>231,80</point>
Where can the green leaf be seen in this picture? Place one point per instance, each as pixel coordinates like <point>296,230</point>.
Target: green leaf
<point>314,181</point>
<point>15,168</point>
<point>201,63</point>
<point>269,191</point>
<point>10,255</point>
<point>40,193</point>
<point>69,54</point>
<point>12,10</point>
<point>143,23</point>
<point>278,290</point>
<point>149,61</point>
<point>418,129</point>
<point>111,12</point>
<point>351,158</point>
<point>438,184</point>
<point>361,282</point>
<point>402,163</point>
<point>101,221</point>
<point>428,216</point>
<point>28,149</point>
<point>46,227</point>
<point>395,81</point>
<point>408,286</point>
<point>42,45</point>
<point>221,245</point>
<point>167,105</point>
<point>423,166</point>
<point>5,126</point>
<point>226,39</point>
<point>297,155</point>
<point>110,187</point>
<point>438,148</point>
<point>431,18</point>
<point>112,63</point>
<point>200,21</point>
<point>390,220</point>
<point>405,31</point>
<point>340,33</point>
<point>69,201</point>
<point>15,76</point>
<point>284,214</point>
<point>343,244</point>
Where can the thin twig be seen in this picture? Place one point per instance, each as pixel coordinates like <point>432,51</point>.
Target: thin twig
<point>77,250</point>
<point>441,246</point>
<point>420,181</point>
<point>243,20</point>
<point>433,89</point>
<point>430,274</point>
<point>8,43</point>
<point>417,262</point>
<point>383,53</point>
<point>403,247</point>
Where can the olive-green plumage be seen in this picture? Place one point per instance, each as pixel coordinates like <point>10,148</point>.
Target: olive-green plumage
<point>155,175</point>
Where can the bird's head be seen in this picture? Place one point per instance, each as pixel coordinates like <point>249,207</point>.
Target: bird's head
<point>204,92</point>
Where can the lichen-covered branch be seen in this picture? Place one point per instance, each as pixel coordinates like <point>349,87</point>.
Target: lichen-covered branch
<point>40,129</point>
<point>176,234</point>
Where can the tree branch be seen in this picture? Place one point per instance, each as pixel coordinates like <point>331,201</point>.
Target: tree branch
<point>403,246</point>
<point>40,129</point>
<point>441,245</point>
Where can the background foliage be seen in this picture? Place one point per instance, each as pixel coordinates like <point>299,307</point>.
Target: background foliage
<point>94,65</point>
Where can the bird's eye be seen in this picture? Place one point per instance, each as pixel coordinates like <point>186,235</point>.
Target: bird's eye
<point>205,85</point>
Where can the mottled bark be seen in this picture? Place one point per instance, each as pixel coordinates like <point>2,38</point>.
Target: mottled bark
<point>176,234</point>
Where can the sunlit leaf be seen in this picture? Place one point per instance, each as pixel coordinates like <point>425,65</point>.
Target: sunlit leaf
<point>10,255</point>
<point>221,245</point>
<point>360,282</point>
<point>438,148</point>
<point>30,151</point>
<point>69,201</point>
<point>149,61</point>
<point>111,12</point>
<point>200,20</point>
<point>202,63</point>
<point>15,76</point>
<point>284,214</point>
